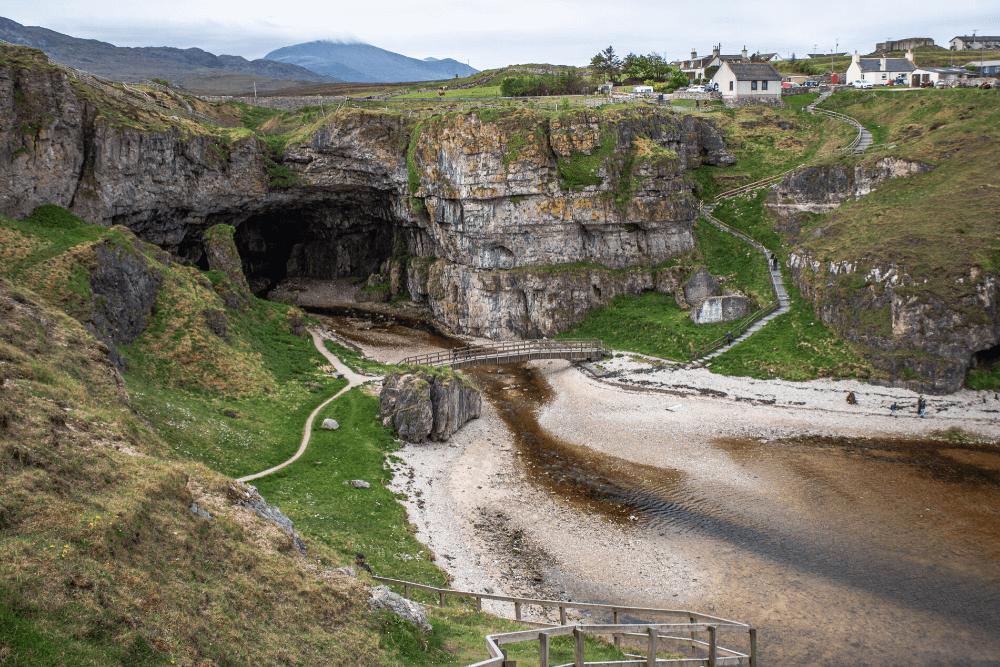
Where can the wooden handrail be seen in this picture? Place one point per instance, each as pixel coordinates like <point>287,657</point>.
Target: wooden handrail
<point>656,632</point>
<point>501,352</point>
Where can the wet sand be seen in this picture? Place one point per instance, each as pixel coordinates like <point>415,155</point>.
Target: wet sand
<point>846,537</point>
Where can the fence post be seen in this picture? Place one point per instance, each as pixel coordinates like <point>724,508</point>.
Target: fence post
<point>517,611</point>
<point>479,603</point>
<point>618,638</point>
<point>753,647</point>
<point>440,598</point>
<point>543,650</point>
<point>694,636</point>
<point>577,647</point>
<point>712,646</point>
<point>651,649</point>
<point>406,591</point>
<point>562,615</point>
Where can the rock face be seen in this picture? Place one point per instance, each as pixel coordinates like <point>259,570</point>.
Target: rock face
<point>489,190</point>
<point>822,189</point>
<point>382,597</point>
<point>698,287</point>
<point>423,406</point>
<point>721,309</point>
<point>246,495</point>
<point>124,286</point>
<point>925,343</point>
<point>222,255</point>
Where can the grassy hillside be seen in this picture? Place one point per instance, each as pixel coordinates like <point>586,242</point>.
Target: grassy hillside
<point>101,560</point>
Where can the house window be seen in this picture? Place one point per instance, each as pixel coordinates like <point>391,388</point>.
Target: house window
<point>730,85</point>
<point>753,85</point>
<point>763,85</point>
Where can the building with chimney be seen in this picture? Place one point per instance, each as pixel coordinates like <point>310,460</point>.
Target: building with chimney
<point>880,71</point>
<point>706,66</point>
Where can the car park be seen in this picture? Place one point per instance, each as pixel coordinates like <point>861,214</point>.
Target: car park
<point>862,84</point>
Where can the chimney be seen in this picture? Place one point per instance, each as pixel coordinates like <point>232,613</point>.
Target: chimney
<point>694,54</point>
<point>881,64</point>
<point>744,51</point>
<point>716,50</point>
<point>856,58</point>
<point>909,55</point>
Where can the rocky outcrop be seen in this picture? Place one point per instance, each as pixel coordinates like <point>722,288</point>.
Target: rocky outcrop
<point>425,405</point>
<point>246,495</point>
<point>382,597</point>
<point>123,286</point>
<point>698,287</point>
<point>525,303</point>
<point>822,189</point>
<point>222,255</point>
<point>493,190</point>
<point>922,341</point>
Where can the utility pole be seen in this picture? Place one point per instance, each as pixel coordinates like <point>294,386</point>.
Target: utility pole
<point>255,90</point>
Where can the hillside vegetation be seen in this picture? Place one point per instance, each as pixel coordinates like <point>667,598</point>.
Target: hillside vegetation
<point>102,561</point>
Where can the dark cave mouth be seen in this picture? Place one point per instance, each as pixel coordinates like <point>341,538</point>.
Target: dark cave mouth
<point>320,241</point>
<point>986,359</point>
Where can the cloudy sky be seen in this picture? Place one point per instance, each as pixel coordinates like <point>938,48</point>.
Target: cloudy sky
<point>490,33</point>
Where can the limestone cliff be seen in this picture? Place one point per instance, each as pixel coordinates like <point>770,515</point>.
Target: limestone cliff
<point>495,190</point>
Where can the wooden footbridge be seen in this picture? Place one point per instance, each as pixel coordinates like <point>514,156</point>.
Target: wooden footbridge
<point>582,349</point>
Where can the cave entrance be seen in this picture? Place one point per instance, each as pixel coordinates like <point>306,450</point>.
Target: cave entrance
<point>987,358</point>
<point>323,240</point>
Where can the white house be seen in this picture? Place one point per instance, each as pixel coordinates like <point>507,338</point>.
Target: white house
<point>747,80</point>
<point>974,42</point>
<point>934,75</point>
<point>880,71</point>
<point>695,67</point>
<point>642,89</point>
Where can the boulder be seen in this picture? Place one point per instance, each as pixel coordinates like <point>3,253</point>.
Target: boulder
<point>358,483</point>
<point>330,424</point>
<point>699,285</point>
<point>424,406</point>
<point>246,495</point>
<point>721,309</point>
<point>383,598</point>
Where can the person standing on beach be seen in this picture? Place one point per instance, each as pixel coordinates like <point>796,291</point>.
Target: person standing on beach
<point>921,405</point>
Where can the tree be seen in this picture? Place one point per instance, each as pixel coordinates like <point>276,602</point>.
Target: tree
<point>607,64</point>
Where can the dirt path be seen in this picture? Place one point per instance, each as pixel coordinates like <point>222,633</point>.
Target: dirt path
<point>353,380</point>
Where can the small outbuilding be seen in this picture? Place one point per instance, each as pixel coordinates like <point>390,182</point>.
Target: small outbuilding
<point>642,89</point>
<point>936,75</point>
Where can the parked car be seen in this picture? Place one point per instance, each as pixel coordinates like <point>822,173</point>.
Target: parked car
<point>812,84</point>
<point>858,83</point>
<point>696,89</point>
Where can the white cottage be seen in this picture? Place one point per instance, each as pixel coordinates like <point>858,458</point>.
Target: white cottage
<point>880,71</point>
<point>747,80</point>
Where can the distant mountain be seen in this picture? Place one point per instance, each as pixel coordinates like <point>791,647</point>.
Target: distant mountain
<point>129,64</point>
<point>367,63</point>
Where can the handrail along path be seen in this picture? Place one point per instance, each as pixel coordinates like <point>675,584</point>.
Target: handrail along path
<point>581,349</point>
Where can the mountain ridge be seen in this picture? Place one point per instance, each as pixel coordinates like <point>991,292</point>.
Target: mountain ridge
<point>359,62</point>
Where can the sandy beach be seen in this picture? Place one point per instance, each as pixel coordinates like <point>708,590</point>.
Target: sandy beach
<point>774,503</point>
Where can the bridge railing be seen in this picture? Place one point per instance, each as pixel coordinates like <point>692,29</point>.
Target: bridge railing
<point>502,352</point>
<point>684,621</point>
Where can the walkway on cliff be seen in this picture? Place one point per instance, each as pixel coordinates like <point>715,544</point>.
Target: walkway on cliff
<point>353,380</point>
<point>755,322</point>
<point>864,138</point>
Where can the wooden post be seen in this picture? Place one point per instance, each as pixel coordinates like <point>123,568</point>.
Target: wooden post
<point>543,650</point>
<point>406,591</point>
<point>753,647</point>
<point>712,646</point>
<point>503,652</point>
<point>694,636</point>
<point>479,603</point>
<point>562,615</point>
<point>651,649</point>
<point>517,611</point>
<point>440,598</point>
<point>618,638</point>
<point>577,647</point>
